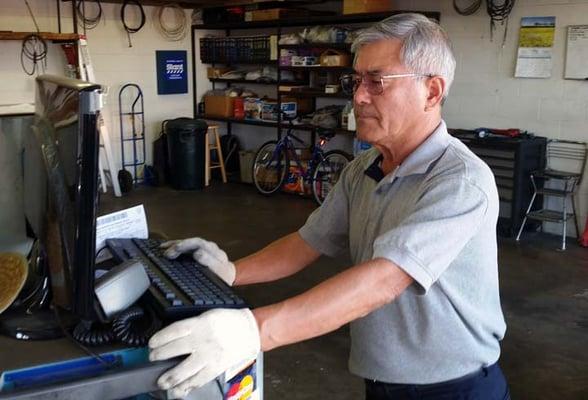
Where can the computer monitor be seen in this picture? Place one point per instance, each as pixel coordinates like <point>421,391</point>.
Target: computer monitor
<point>67,141</point>
<point>60,169</point>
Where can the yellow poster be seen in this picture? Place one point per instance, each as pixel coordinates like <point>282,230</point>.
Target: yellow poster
<point>536,36</point>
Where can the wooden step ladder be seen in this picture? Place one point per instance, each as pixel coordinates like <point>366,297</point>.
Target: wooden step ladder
<point>216,146</point>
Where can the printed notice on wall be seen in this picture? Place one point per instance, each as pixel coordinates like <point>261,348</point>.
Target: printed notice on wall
<point>577,52</point>
<point>535,53</point>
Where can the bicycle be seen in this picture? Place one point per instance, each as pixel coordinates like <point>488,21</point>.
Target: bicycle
<point>272,166</point>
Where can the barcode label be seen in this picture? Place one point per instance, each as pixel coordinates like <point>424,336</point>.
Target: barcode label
<point>110,218</point>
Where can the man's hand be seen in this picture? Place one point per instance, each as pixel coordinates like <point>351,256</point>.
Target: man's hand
<point>206,253</point>
<point>215,341</point>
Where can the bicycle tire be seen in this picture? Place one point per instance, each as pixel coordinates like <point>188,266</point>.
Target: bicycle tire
<point>325,176</point>
<point>263,171</point>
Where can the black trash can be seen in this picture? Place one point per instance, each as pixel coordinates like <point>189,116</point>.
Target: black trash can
<point>185,145</point>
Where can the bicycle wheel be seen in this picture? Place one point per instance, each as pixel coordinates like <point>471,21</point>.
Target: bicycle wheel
<point>269,167</point>
<point>327,173</point>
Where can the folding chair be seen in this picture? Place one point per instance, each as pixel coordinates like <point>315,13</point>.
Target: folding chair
<point>566,161</point>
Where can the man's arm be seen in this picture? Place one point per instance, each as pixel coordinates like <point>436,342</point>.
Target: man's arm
<point>280,259</point>
<point>345,297</point>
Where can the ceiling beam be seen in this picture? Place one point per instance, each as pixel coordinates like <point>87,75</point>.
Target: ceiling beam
<point>193,3</point>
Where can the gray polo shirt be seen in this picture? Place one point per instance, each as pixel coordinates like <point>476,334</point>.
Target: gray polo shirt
<point>435,217</point>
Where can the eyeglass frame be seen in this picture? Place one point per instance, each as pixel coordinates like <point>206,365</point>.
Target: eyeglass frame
<point>382,77</point>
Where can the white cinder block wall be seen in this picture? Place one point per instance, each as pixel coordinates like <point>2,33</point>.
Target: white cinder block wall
<point>115,63</point>
<point>484,92</point>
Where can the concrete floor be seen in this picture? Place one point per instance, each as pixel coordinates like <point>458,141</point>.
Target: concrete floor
<point>544,294</point>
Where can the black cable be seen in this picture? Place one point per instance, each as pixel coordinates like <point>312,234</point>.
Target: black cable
<point>32,15</point>
<point>468,10</point>
<point>93,333</point>
<point>86,350</point>
<point>499,11</point>
<point>34,48</point>
<point>122,18</point>
<point>135,326</point>
<point>101,250</point>
<point>89,22</point>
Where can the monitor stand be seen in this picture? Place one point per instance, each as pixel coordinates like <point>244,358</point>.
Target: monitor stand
<point>31,316</point>
<point>39,325</point>
<point>33,321</point>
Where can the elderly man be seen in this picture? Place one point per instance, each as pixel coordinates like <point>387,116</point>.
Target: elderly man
<point>418,214</point>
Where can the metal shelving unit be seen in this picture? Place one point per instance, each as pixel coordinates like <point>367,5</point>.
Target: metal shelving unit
<point>313,20</point>
<point>315,93</point>
<point>278,25</point>
<point>257,122</point>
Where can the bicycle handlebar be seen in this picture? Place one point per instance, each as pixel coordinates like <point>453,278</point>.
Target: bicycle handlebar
<point>322,132</point>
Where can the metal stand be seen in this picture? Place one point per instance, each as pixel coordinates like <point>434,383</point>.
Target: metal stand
<point>136,135</point>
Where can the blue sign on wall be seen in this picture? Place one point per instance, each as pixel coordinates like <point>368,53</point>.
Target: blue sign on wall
<point>172,72</point>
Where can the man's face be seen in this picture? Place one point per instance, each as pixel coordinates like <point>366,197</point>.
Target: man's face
<point>396,111</point>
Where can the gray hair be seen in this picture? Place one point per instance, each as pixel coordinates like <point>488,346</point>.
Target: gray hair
<point>426,48</point>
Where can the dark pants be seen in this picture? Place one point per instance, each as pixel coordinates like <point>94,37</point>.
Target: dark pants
<point>487,384</point>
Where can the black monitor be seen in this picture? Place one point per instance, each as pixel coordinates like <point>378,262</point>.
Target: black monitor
<point>60,168</point>
<point>66,133</point>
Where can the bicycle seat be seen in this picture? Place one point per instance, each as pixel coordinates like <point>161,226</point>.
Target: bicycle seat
<point>325,133</point>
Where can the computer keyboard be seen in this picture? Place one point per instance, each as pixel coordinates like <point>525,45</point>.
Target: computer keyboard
<point>180,288</point>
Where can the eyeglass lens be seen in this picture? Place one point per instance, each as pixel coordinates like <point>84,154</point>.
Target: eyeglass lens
<point>373,84</point>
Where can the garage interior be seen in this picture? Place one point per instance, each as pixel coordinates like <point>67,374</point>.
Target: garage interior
<point>543,289</point>
<point>542,292</point>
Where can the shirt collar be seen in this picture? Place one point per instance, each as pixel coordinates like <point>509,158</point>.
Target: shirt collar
<point>374,170</point>
<point>418,161</point>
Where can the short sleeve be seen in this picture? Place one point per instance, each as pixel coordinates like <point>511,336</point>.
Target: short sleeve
<point>445,217</point>
<point>327,228</point>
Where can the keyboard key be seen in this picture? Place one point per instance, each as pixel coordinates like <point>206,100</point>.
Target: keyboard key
<point>177,302</point>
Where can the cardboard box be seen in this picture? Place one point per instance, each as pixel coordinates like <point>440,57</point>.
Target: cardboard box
<point>218,106</point>
<point>303,105</point>
<point>366,6</point>
<point>335,58</point>
<point>274,14</point>
<point>216,72</point>
<point>246,165</point>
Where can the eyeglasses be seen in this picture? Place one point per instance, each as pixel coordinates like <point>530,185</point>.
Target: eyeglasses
<point>373,83</point>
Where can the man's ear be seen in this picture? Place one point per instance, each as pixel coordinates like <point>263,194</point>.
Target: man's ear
<point>435,91</point>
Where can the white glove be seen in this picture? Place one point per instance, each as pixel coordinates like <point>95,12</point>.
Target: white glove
<point>215,341</point>
<point>206,253</point>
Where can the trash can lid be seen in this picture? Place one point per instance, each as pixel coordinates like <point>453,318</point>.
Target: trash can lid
<point>186,124</point>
